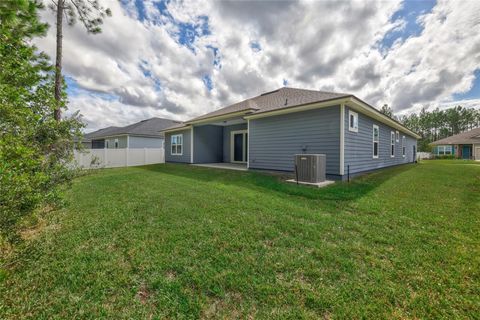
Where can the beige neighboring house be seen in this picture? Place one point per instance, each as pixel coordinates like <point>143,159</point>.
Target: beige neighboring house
<point>465,145</point>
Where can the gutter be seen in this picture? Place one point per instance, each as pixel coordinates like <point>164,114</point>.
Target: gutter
<point>176,129</point>
<point>221,116</point>
<point>127,134</point>
<point>392,122</point>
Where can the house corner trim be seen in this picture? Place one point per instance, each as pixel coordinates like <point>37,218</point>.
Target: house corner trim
<point>342,139</point>
<point>191,144</point>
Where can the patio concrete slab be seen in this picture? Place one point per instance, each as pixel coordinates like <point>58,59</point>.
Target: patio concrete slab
<point>223,165</point>
<point>317,184</point>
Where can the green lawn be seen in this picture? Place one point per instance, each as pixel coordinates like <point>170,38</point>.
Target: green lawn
<point>175,241</point>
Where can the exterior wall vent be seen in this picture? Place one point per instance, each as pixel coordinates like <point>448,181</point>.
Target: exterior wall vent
<point>310,167</point>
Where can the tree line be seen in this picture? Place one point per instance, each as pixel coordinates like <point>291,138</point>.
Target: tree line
<point>438,124</point>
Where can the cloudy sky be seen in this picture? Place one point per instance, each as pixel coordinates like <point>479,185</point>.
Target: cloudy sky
<point>181,59</point>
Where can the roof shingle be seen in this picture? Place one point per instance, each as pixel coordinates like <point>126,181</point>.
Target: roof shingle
<point>274,100</point>
<point>468,137</point>
<point>149,127</point>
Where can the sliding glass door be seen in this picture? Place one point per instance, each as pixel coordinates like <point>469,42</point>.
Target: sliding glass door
<point>239,146</point>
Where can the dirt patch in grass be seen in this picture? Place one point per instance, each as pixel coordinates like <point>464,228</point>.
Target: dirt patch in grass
<point>143,294</point>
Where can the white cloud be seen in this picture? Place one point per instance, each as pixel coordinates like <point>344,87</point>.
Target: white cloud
<point>311,44</point>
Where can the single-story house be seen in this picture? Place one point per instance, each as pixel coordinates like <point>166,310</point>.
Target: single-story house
<point>143,134</point>
<point>265,132</point>
<point>465,145</point>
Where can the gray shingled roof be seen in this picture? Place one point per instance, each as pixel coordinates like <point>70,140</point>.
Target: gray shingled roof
<point>469,137</point>
<point>100,132</point>
<point>278,99</point>
<point>149,127</point>
<point>274,100</point>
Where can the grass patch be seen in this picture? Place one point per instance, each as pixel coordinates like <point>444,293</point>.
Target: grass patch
<point>175,241</point>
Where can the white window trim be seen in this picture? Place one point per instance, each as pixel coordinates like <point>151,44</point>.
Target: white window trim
<point>373,141</point>
<point>404,147</point>
<point>116,144</point>
<point>444,149</point>
<point>355,115</point>
<point>392,144</point>
<point>176,144</point>
<point>397,136</point>
<point>449,150</point>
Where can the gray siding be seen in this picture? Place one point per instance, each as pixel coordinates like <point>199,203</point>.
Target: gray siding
<point>359,146</point>
<point>144,142</point>
<point>122,142</point>
<point>226,139</point>
<point>207,144</point>
<point>275,140</point>
<point>185,157</point>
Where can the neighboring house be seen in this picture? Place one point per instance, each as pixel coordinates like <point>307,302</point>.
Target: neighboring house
<point>465,145</point>
<point>143,134</point>
<point>266,131</point>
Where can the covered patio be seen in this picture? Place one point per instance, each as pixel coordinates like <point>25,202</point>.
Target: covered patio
<point>221,143</point>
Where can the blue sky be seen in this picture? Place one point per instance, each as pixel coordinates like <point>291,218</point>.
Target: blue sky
<point>410,11</point>
<point>180,59</point>
<point>474,92</point>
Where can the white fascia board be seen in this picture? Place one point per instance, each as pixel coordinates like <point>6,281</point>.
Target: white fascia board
<point>364,108</point>
<point>306,107</point>
<point>221,117</point>
<point>176,129</point>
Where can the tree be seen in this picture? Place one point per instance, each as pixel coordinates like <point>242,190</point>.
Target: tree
<point>386,110</point>
<point>439,124</point>
<point>35,150</point>
<point>91,15</point>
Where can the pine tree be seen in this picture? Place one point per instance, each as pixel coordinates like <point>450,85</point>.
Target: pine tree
<point>91,15</point>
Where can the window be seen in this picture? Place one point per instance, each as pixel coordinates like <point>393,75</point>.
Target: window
<point>404,147</point>
<point>177,144</point>
<point>116,143</point>
<point>352,121</point>
<point>392,144</point>
<point>444,150</point>
<point>398,136</point>
<point>376,135</point>
<point>106,144</point>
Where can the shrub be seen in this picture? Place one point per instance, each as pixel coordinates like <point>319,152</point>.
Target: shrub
<point>35,150</point>
<point>445,157</point>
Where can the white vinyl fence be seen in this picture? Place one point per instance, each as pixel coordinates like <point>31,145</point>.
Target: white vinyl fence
<point>424,155</point>
<point>112,158</point>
